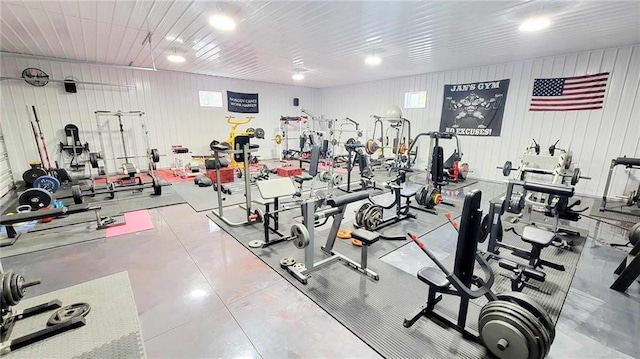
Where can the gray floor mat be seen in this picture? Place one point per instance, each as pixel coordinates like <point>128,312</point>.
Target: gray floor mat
<point>112,329</point>
<point>632,213</point>
<point>34,241</point>
<point>373,311</point>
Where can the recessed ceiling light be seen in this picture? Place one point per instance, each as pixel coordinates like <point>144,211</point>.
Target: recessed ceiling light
<point>176,58</point>
<point>222,22</point>
<point>173,38</point>
<point>373,60</point>
<point>535,24</point>
<point>298,77</point>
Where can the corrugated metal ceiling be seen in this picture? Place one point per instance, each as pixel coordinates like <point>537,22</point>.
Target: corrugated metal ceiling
<point>328,39</point>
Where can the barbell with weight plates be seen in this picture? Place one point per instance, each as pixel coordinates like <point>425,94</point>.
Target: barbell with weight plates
<point>428,197</point>
<point>13,288</point>
<point>371,146</point>
<point>575,177</point>
<point>29,176</point>
<point>77,193</point>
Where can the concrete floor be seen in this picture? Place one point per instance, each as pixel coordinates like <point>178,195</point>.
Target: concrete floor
<point>201,294</point>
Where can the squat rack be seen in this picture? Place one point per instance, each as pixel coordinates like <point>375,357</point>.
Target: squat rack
<point>151,155</point>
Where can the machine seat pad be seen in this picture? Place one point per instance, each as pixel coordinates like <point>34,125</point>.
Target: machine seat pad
<point>433,277</point>
<point>535,235</point>
<point>627,161</point>
<point>558,190</point>
<point>364,236</point>
<point>347,198</point>
<point>302,178</point>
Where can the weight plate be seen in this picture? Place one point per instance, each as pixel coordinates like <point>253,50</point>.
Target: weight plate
<point>155,155</point>
<point>301,235</point>
<point>259,215</point>
<point>30,175</point>
<point>287,262</point>
<point>278,139</point>
<point>76,192</point>
<point>634,234</point>
<point>356,242</point>
<point>111,190</point>
<point>48,183</point>
<point>259,133</point>
<point>263,170</point>
<point>6,288</point>
<point>532,307</point>
<point>374,218</point>
<point>15,288</point>
<point>36,198</point>
<point>351,141</point>
<point>299,267</point>
<point>576,176</point>
<point>540,335</point>
<point>506,169</point>
<point>506,335</point>
<point>360,213</point>
<point>93,159</point>
<point>344,234</point>
<point>251,132</point>
<point>256,243</point>
<point>156,185</point>
<point>336,179</point>
<point>69,312</point>
<point>238,173</point>
<point>23,208</point>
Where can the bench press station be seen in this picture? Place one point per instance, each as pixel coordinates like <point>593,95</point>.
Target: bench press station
<point>305,235</point>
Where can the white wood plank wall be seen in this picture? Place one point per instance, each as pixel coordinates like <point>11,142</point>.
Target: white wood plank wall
<point>170,100</point>
<point>595,136</point>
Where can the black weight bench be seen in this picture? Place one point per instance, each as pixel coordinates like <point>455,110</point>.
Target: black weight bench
<point>9,221</point>
<point>367,238</point>
<point>539,239</point>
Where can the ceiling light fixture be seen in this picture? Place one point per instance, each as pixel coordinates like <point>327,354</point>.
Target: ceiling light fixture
<point>298,76</point>
<point>174,57</point>
<point>222,22</point>
<point>373,60</point>
<point>536,23</point>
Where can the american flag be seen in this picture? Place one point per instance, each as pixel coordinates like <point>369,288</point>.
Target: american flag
<point>569,93</point>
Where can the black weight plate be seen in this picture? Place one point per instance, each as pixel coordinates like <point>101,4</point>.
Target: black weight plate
<point>93,159</point>
<point>6,289</point>
<point>634,234</point>
<point>539,331</point>
<point>111,189</point>
<point>484,229</point>
<point>155,155</point>
<point>259,133</point>
<point>69,312</point>
<point>157,187</point>
<point>30,175</point>
<point>360,213</point>
<point>213,143</point>
<point>76,192</point>
<point>533,307</point>
<point>36,198</point>
<point>506,169</point>
<point>493,312</point>
<point>576,176</point>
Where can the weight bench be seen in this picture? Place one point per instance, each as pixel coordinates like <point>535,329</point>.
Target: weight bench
<point>539,239</point>
<point>270,192</point>
<point>313,169</point>
<point>8,221</point>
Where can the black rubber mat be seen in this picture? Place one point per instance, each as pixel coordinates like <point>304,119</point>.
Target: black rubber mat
<point>374,311</point>
<point>629,214</point>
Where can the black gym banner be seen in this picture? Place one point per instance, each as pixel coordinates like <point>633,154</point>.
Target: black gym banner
<point>474,109</point>
<point>242,102</point>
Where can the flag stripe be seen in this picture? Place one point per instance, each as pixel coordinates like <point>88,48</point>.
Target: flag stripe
<point>584,92</point>
<point>563,98</point>
<point>567,82</point>
<point>571,88</point>
<point>566,109</point>
<point>587,76</point>
<point>568,105</point>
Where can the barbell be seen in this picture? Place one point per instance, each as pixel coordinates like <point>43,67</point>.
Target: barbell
<point>575,177</point>
<point>154,156</point>
<point>77,194</point>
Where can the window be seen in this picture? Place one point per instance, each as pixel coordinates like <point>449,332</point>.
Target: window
<point>210,99</point>
<point>415,99</point>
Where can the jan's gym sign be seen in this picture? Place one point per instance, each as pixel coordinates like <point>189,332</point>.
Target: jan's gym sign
<point>474,109</point>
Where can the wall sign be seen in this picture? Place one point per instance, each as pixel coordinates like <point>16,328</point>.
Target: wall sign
<point>474,109</point>
<point>242,102</point>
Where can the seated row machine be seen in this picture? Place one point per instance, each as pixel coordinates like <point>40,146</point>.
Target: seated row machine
<point>631,198</point>
<point>511,325</point>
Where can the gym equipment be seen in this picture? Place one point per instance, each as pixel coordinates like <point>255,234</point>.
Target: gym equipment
<point>29,176</point>
<point>629,268</point>
<point>73,147</point>
<point>631,198</point>
<point>558,165</point>
<point>10,221</point>
<point>249,132</point>
<point>111,190</point>
<point>39,137</point>
<point>305,237</point>
<point>285,123</point>
<point>240,153</point>
<point>371,215</point>
<point>270,193</point>
<point>48,183</point>
<point>181,165</point>
<point>402,128</point>
<point>511,325</point>
<point>12,291</point>
<point>129,169</point>
<point>66,314</point>
<point>36,198</point>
